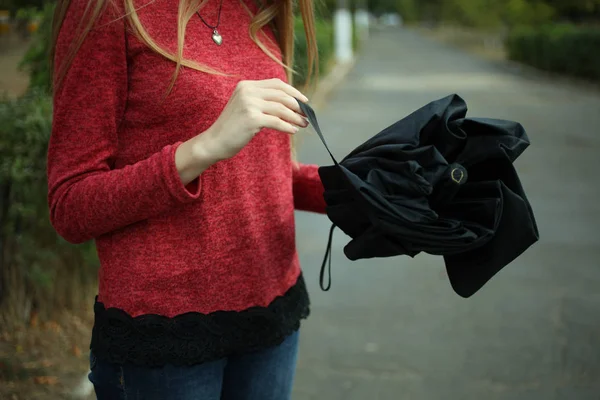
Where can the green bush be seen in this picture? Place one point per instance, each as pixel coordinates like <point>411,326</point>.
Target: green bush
<point>324,42</point>
<point>36,60</point>
<point>38,269</point>
<point>561,48</point>
<point>26,126</point>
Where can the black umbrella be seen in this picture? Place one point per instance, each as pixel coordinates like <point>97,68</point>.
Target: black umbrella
<point>434,182</point>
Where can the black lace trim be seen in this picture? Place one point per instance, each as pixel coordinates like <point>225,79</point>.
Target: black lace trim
<point>194,338</point>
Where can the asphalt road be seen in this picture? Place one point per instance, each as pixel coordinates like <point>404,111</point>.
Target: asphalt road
<point>393,328</point>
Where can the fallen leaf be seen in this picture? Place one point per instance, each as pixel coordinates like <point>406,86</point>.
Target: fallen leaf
<point>53,326</point>
<point>46,380</point>
<point>30,365</point>
<point>46,363</point>
<point>19,348</point>
<point>34,319</point>
<point>76,351</point>
<point>37,364</point>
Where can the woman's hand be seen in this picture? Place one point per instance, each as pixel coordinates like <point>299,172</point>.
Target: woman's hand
<point>254,105</point>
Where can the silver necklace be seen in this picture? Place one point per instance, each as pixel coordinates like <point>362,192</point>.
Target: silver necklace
<point>216,36</point>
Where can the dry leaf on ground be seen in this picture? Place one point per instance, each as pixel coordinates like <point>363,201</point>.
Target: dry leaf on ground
<point>46,380</point>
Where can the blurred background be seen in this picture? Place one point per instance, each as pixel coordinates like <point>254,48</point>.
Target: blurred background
<point>389,328</point>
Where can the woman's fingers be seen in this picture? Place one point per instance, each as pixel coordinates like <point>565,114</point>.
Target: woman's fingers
<point>278,105</point>
<point>282,97</point>
<point>278,124</point>
<point>279,110</point>
<point>284,87</point>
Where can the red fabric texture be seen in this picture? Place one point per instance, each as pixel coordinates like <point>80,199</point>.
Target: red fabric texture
<point>224,242</point>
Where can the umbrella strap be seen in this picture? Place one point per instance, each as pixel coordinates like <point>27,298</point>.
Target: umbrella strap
<point>312,118</point>
<point>327,263</point>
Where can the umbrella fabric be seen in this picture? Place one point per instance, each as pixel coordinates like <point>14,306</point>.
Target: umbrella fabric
<point>434,182</point>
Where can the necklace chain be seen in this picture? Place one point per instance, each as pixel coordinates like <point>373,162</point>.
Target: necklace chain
<point>214,28</point>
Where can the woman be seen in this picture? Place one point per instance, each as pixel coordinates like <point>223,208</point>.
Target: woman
<point>171,148</point>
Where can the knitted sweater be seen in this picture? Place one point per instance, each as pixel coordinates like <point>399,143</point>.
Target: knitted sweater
<point>188,273</point>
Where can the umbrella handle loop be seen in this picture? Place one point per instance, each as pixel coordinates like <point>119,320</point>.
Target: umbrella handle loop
<point>327,263</point>
<point>312,118</point>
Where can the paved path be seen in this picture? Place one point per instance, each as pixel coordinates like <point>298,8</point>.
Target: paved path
<point>392,328</point>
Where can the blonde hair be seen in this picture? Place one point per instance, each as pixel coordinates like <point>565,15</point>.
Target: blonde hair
<point>278,13</point>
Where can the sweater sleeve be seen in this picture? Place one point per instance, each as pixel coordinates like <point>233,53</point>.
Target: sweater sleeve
<point>87,196</point>
<point>308,189</point>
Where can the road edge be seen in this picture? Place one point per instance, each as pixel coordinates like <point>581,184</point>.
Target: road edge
<point>515,67</point>
<point>533,73</point>
<point>329,83</point>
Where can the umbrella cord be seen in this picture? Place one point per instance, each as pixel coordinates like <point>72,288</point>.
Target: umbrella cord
<point>312,118</point>
<point>327,263</point>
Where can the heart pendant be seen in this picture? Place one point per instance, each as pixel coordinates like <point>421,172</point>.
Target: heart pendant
<point>217,38</point>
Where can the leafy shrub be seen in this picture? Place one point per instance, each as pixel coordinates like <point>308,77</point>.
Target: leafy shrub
<point>26,126</point>
<point>36,60</point>
<point>324,31</point>
<point>38,269</point>
<point>561,48</point>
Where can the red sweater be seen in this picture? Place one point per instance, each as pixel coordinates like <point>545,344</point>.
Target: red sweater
<point>224,242</point>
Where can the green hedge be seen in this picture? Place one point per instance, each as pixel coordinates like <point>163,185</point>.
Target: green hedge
<point>38,269</point>
<point>35,62</point>
<point>324,30</point>
<point>562,48</point>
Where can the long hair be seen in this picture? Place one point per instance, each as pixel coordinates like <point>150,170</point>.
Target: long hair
<point>278,13</point>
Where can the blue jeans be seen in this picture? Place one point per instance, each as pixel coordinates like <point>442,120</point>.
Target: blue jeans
<point>264,375</point>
